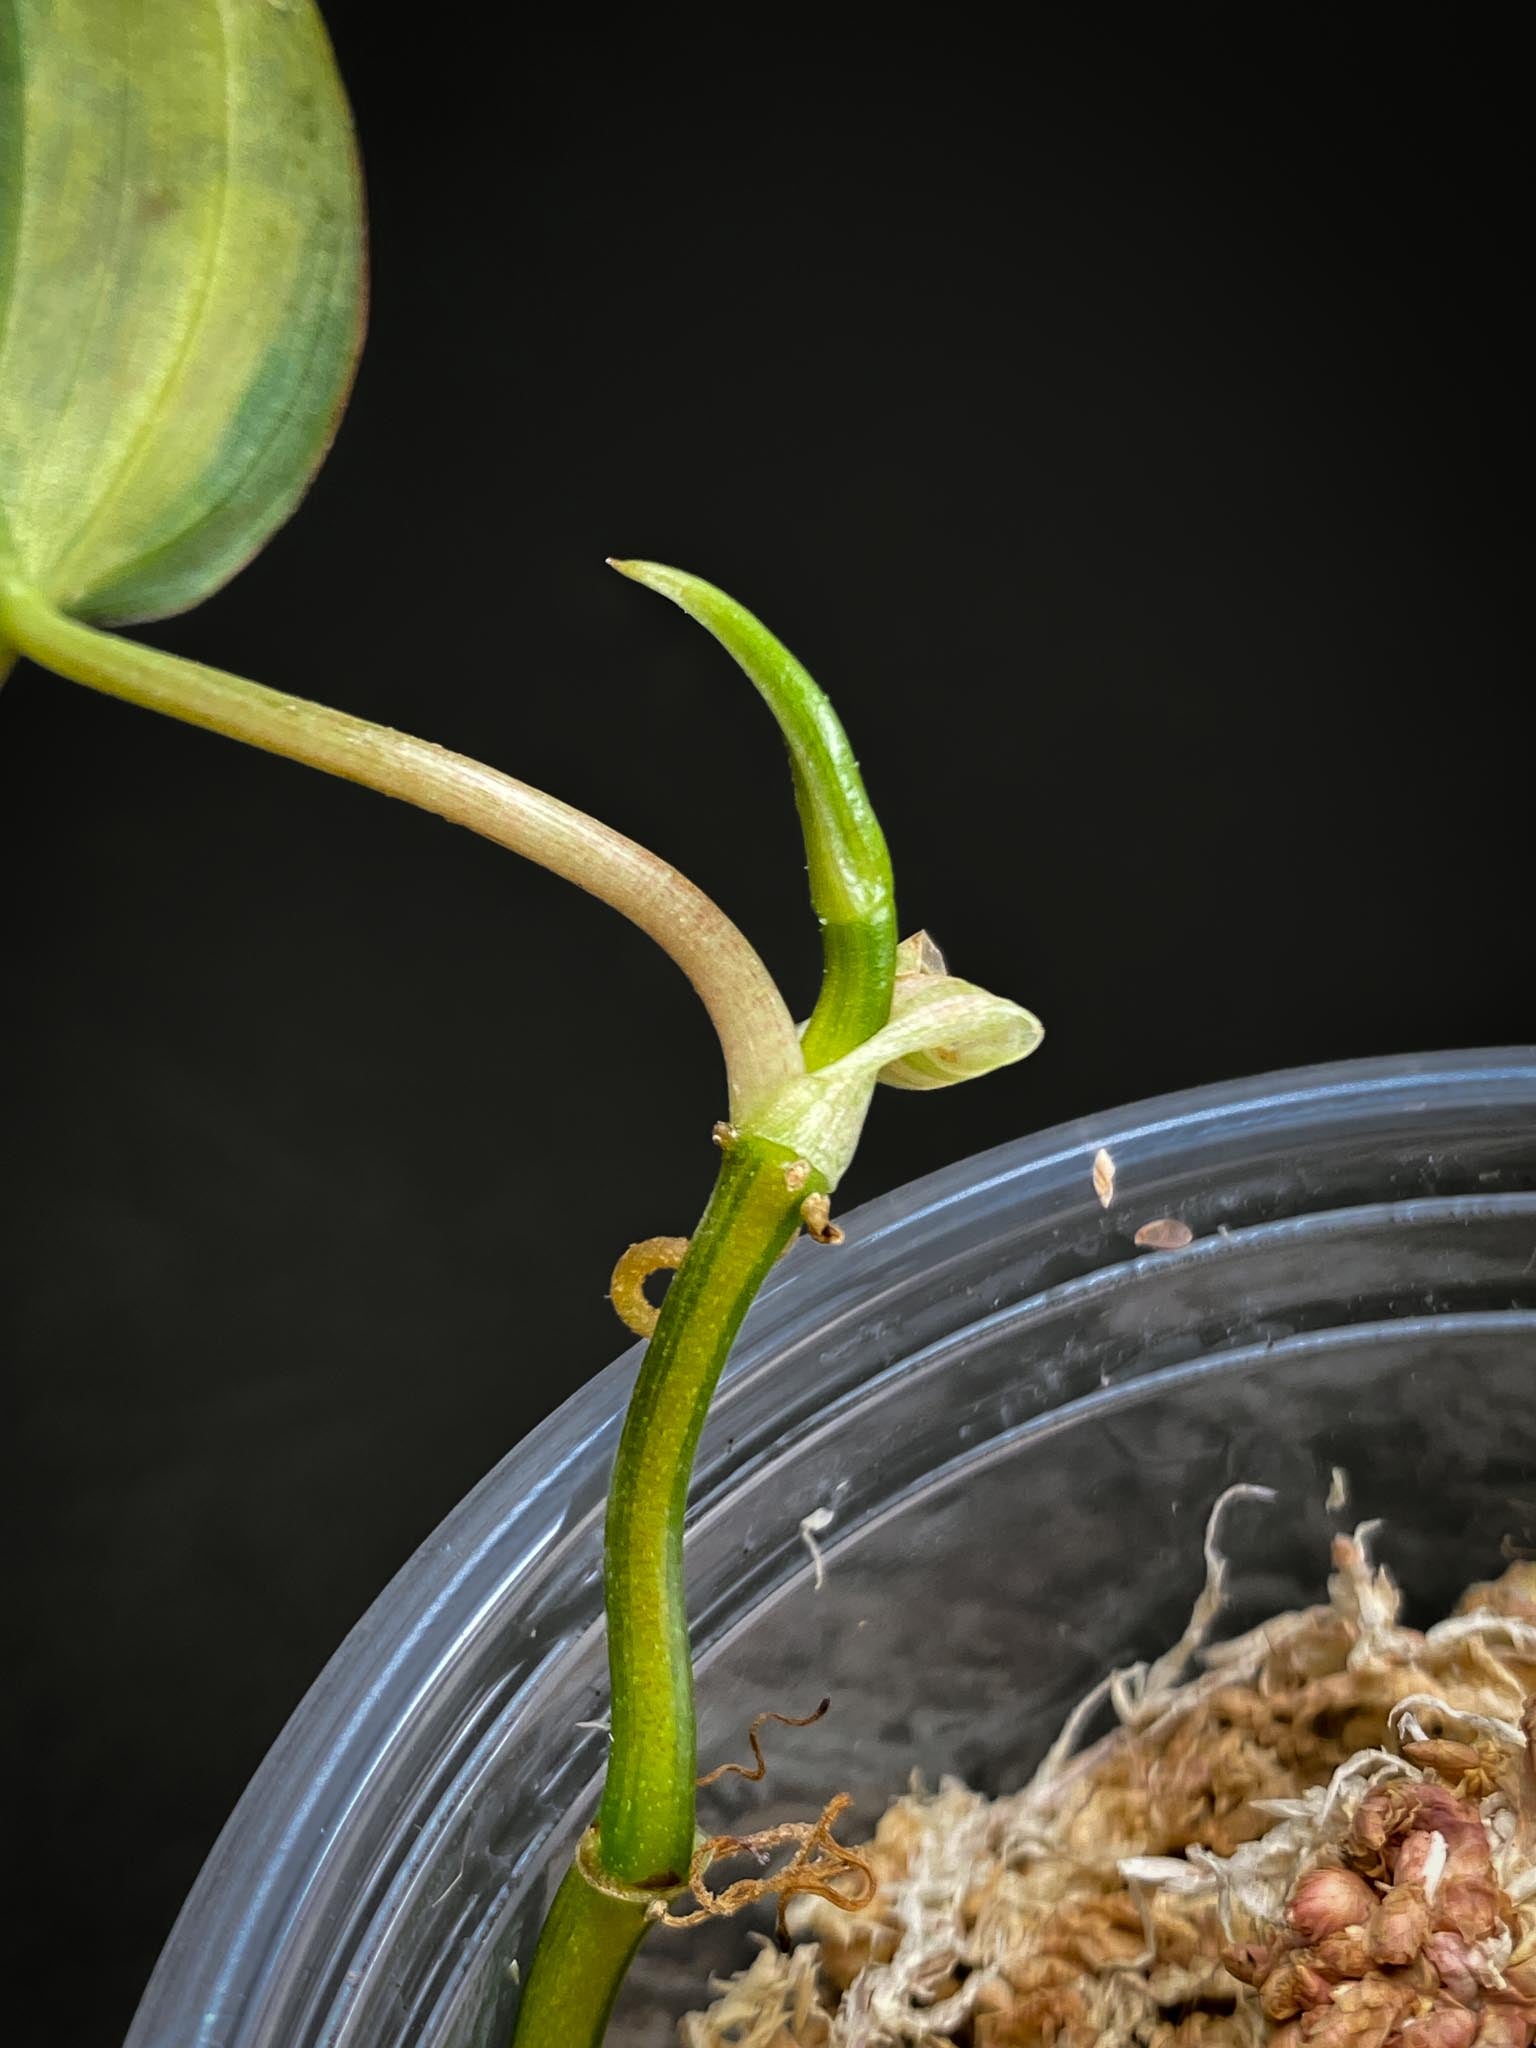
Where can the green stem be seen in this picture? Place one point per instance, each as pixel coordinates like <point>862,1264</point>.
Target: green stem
<point>646,1824</point>
<point>585,1946</point>
<point>755,1030</point>
<point>647,1810</point>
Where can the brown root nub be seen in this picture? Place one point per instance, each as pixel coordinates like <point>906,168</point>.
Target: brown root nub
<point>816,1215</point>
<point>626,1290</point>
<point>819,1865</point>
<point>758,1769</point>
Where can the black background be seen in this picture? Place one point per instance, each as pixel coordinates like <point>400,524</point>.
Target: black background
<point>1127,437</point>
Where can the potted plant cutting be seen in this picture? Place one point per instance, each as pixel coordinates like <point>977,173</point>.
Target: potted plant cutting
<point>218,287</point>
<point>137,482</point>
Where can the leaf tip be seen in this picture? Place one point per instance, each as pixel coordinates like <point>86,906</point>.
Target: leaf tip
<point>655,576</point>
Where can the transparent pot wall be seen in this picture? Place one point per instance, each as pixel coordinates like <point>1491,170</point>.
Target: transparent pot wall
<point>1018,1423</point>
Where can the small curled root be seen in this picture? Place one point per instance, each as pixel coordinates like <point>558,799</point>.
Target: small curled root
<point>626,1290</point>
<point>759,1768</point>
<point>820,1865</point>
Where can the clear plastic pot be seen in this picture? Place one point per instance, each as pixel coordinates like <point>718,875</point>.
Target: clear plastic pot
<point>1017,1421</point>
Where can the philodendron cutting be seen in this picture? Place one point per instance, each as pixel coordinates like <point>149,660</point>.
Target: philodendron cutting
<point>181,289</point>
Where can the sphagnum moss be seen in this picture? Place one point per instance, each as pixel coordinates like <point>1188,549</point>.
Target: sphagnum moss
<point>1326,1837</point>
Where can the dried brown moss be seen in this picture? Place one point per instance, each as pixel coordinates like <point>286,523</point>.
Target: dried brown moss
<point>1326,1837</point>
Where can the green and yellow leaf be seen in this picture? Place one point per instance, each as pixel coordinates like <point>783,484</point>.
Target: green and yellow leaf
<point>181,289</point>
